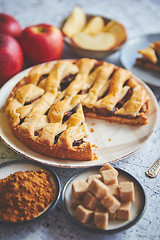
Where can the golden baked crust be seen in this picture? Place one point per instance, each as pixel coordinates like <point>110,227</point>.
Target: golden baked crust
<point>46,109</point>
<point>150,57</point>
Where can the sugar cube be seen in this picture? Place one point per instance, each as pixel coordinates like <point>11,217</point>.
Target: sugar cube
<point>114,190</point>
<point>123,212</point>
<point>101,219</point>
<point>112,216</point>
<point>90,202</point>
<point>98,189</point>
<point>75,202</point>
<point>109,177</point>
<point>83,214</point>
<point>90,178</point>
<point>110,203</point>
<point>107,166</point>
<point>79,188</point>
<point>127,191</point>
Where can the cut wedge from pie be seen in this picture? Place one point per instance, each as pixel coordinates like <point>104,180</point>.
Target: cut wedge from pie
<point>150,57</point>
<point>46,108</point>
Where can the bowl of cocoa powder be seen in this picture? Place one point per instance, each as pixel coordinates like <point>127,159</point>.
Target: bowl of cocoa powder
<point>28,191</point>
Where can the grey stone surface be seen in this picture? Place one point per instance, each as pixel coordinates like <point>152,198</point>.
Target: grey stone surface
<point>139,17</point>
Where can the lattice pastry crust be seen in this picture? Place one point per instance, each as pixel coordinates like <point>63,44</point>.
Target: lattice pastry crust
<point>150,57</point>
<point>46,109</point>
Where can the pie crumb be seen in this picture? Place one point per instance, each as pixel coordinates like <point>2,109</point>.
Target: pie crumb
<point>109,139</point>
<point>92,130</point>
<point>95,157</point>
<point>95,146</point>
<point>93,124</point>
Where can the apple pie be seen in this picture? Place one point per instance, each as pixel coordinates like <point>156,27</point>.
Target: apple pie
<point>150,57</point>
<point>46,108</point>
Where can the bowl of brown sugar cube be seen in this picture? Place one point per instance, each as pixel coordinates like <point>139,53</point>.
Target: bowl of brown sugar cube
<point>104,199</point>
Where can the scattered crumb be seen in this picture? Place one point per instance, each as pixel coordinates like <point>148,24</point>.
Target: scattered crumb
<point>109,139</point>
<point>94,146</point>
<point>95,157</point>
<point>92,130</point>
<point>93,124</point>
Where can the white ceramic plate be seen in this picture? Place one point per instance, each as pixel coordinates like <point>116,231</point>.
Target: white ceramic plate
<point>23,165</point>
<point>137,207</point>
<point>114,141</point>
<point>129,55</point>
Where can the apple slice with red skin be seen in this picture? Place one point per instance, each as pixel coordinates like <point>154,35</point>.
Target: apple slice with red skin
<point>98,42</point>
<point>118,30</point>
<point>41,43</point>
<point>9,25</point>
<point>75,22</point>
<point>95,25</point>
<point>11,57</point>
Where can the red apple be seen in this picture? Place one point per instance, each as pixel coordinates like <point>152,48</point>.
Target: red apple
<point>11,57</point>
<point>9,25</point>
<point>41,43</point>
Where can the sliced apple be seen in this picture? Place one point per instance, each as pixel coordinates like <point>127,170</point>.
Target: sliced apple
<point>149,53</point>
<point>95,25</point>
<point>75,22</point>
<point>99,42</point>
<point>118,30</point>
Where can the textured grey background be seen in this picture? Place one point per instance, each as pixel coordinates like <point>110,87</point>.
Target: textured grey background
<point>139,17</point>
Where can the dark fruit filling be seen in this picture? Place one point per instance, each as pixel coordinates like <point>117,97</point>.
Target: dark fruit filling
<point>78,142</point>
<point>97,64</point>
<point>66,81</point>
<point>69,113</point>
<point>28,103</point>
<point>36,133</point>
<point>56,137</point>
<point>42,77</point>
<point>21,121</point>
<point>125,99</point>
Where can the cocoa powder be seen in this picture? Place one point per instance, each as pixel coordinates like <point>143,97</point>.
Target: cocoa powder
<point>23,195</point>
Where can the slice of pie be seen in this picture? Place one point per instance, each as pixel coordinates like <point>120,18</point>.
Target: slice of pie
<point>46,109</point>
<point>150,57</point>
